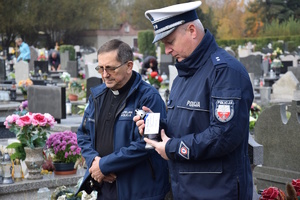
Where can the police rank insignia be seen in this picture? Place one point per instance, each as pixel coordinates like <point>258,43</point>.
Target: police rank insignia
<point>184,151</point>
<point>224,110</point>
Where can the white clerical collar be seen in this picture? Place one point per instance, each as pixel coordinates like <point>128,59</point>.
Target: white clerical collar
<point>115,92</point>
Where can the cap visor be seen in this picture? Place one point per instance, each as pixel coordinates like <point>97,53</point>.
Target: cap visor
<point>162,35</point>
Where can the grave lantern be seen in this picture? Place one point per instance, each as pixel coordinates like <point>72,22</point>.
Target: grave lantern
<point>7,169</point>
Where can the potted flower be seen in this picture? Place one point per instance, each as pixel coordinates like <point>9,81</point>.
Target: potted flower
<point>64,150</point>
<point>154,79</point>
<point>76,90</point>
<point>65,77</point>
<point>23,86</point>
<point>31,130</point>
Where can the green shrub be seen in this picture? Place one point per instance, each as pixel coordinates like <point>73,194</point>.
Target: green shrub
<point>69,48</point>
<point>145,45</point>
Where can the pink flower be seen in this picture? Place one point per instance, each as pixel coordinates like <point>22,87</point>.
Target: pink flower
<point>12,118</point>
<point>50,119</point>
<point>24,120</point>
<point>39,119</point>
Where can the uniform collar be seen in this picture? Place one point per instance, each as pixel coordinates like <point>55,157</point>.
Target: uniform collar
<point>190,65</point>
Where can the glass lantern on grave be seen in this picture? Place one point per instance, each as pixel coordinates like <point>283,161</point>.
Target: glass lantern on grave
<point>7,169</point>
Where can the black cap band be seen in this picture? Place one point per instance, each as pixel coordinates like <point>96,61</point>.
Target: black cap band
<point>187,17</point>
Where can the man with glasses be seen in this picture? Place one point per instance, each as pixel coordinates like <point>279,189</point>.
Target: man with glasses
<point>119,166</point>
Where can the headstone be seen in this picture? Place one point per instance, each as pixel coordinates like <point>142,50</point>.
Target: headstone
<point>21,71</point>
<point>172,74</point>
<point>255,151</point>
<point>136,66</point>
<point>265,95</point>
<point>91,82</point>
<point>2,71</point>
<point>230,51</point>
<point>284,88</point>
<point>90,70</point>
<point>165,61</point>
<point>90,58</point>
<point>292,58</point>
<point>285,64</point>
<point>252,64</point>
<point>72,68</point>
<point>64,58</point>
<point>265,67</point>
<point>280,138</point>
<point>296,71</point>
<point>47,99</point>
<point>33,57</point>
<point>243,52</point>
<point>41,65</point>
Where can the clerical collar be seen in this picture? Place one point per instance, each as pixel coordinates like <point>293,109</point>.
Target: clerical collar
<point>126,87</point>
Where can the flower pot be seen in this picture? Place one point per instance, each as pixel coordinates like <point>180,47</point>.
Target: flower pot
<point>34,160</point>
<point>73,97</point>
<point>64,168</point>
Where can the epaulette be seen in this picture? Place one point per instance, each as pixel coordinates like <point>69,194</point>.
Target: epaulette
<point>217,59</point>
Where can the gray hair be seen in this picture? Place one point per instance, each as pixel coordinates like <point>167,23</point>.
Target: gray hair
<point>124,52</point>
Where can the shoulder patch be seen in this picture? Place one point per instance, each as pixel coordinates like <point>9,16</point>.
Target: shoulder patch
<point>184,151</point>
<point>224,110</point>
<point>217,59</point>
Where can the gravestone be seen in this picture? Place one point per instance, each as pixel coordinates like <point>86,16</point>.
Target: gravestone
<point>90,70</point>
<point>230,51</point>
<point>21,71</point>
<point>90,58</point>
<point>292,58</point>
<point>285,64</point>
<point>136,66</point>
<point>47,99</point>
<point>172,74</point>
<point>296,71</point>
<point>2,71</point>
<point>265,67</point>
<point>33,57</point>
<point>64,58</point>
<point>91,82</point>
<point>284,88</point>
<point>165,61</point>
<point>280,138</point>
<point>41,65</point>
<point>72,68</point>
<point>252,64</point>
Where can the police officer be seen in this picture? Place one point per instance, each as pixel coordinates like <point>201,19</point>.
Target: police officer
<point>206,139</point>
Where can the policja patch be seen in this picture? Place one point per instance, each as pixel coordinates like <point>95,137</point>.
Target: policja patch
<point>184,151</point>
<point>224,110</point>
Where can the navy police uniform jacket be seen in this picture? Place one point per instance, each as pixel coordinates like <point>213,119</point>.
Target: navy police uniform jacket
<point>141,173</point>
<point>208,123</point>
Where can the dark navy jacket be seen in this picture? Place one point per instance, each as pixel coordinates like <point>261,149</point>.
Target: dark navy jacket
<point>208,123</point>
<point>141,174</point>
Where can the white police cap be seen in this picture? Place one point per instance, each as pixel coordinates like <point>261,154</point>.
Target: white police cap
<point>165,20</point>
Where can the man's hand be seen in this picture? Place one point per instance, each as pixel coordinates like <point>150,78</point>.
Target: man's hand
<point>95,171</point>
<point>140,123</point>
<point>160,147</point>
<point>110,178</point>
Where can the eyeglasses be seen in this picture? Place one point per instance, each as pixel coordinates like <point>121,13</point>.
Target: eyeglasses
<point>109,70</point>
